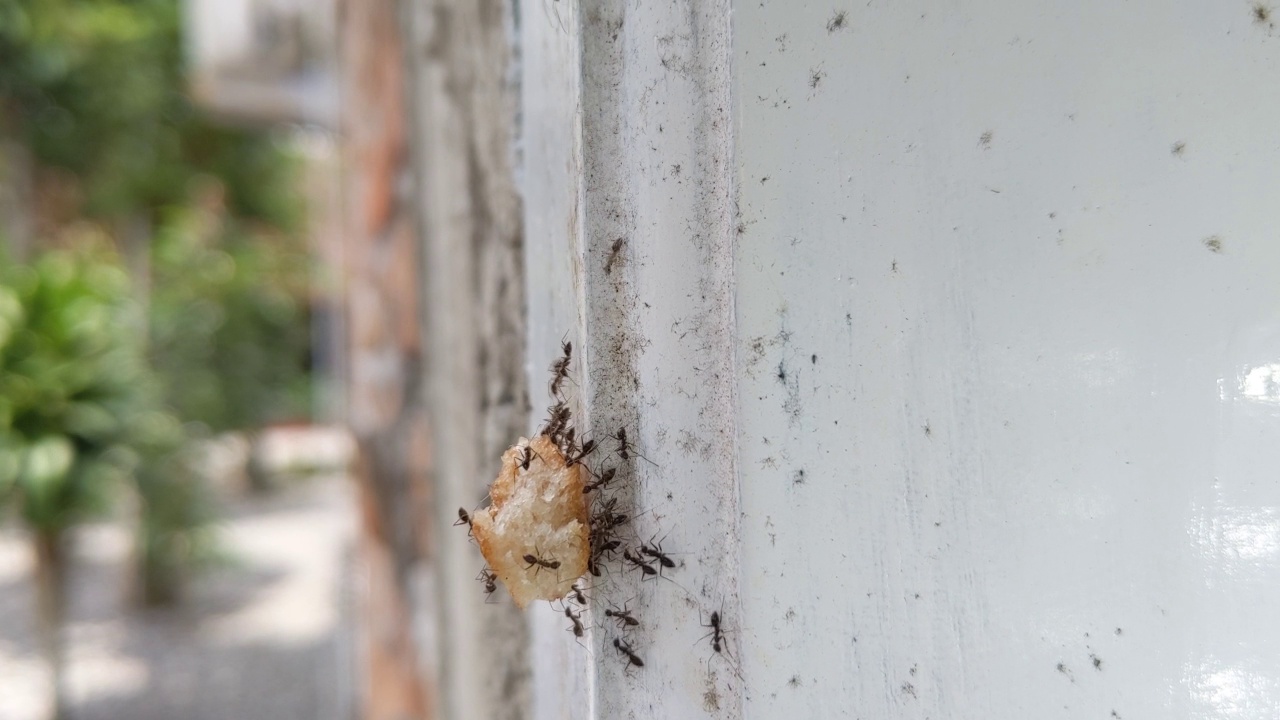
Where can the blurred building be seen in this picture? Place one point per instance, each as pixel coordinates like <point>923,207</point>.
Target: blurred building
<point>263,61</point>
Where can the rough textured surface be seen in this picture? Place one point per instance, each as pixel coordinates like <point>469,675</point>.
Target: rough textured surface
<point>462,109</point>
<point>539,513</point>
<point>631,187</point>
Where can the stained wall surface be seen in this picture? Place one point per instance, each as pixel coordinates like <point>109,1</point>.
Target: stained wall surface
<point>950,335</point>
<point>1008,334</point>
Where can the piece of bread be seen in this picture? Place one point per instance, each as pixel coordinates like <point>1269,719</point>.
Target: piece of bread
<point>535,534</point>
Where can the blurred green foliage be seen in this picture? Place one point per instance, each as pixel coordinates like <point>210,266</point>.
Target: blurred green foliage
<point>95,91</point>
<point>229,331</point>
<point>96,87</point>
<point>81,414</point>
<point>77,411</point>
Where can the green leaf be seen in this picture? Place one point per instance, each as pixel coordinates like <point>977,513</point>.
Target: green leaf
<point>42,476</point>
<point>10,314</point>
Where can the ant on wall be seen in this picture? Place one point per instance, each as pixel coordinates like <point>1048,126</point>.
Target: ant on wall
<point>584,451</point>
<point>625,448</point>
<point>577,622</point>
<point>622,617</point>
<point>576,593</point>
<point>639,562</point>
<point>716,634</point>
<point>560,369</point>
<point>654,550</point>
<point>605,477</point>
<point>625,649</point>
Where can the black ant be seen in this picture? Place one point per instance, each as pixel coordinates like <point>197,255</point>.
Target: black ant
<point>535,560</point>
<point>717,636</point>
<point>604,521</point>
<point>639,562</point>
<point>577,623</point>
<point>625,649</point>
<point>586,449</point>
<point>464,518</point>
<point>607,507</point>
<point>605,477</point>
<point>610,521</point>
<point>526,456</point>
<point>623,617</point>
<point>578,597</point>
<point>559,418</point>
<point>654,550</point>
<point>489,579</point>
<point>626,448</point>
<point>559,373</point>
<point>601,545</point>
<point>608,547</point>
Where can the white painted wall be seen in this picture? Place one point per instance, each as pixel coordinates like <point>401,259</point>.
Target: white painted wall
<point>954,332</point>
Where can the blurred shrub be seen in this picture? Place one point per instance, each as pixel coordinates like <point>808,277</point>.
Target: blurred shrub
<point>80,414</point>
<point>95,89</point>
<point>230,329</point>
<point>72,387</point>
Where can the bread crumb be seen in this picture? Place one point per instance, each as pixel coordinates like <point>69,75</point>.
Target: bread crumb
<point>539,513</point>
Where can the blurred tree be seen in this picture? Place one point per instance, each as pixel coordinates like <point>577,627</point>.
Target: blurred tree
<point>95,89</point>
<point>78,411</point>
<point>205,214</point>
<point>229,327</point>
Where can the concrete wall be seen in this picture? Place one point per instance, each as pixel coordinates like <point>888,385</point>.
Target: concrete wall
<point>463,115</point>
<point>949,335</point>
<point>1008,277</point>
<point>952,332</point>
<point>629,181</point>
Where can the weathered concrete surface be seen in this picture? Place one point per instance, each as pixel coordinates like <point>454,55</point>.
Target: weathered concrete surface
<point>463,107</point>
<point>628,129</point>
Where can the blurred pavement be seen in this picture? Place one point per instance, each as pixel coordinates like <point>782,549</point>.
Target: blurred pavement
<point>266,635</point>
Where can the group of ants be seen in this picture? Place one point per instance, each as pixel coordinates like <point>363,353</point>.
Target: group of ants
<point>605,522</point>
